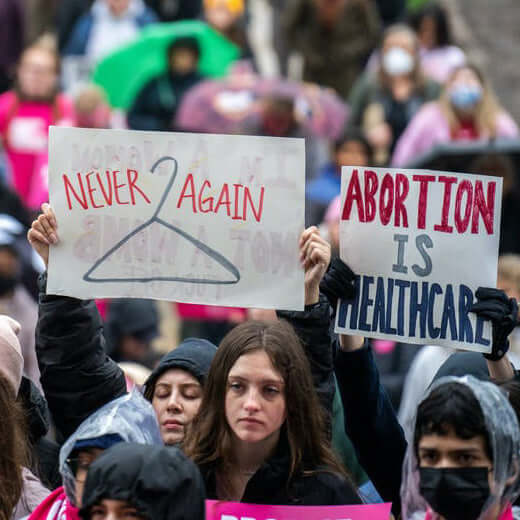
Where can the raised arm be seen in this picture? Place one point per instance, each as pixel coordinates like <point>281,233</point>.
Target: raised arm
<point>77,376</point>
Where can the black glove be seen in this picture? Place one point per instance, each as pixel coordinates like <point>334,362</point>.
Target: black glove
<point>338,282</point>
<point>494,305</point>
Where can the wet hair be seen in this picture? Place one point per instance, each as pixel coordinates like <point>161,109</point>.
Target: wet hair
<point>186,42</point>
<point>440,17</point>
<point>209,437</point>
<point>451,407</point>
<point>15,449</point>
<point>357,135</point>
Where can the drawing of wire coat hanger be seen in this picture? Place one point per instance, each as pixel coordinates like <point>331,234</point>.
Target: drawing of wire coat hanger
<point>214,255</point>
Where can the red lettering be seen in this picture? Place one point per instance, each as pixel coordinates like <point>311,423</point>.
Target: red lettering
<point>247,196</point>
<point>385,208</point>
<point>402,187</point>
<point>116,188</point>
<point>188,183</point>
<point>237,189</point>
<point>371,185</point>
<point>210,199</point>
<point>423,198</point>
<point>448,184</point>
<point>108,198</point>
<point>483,208</point>
<point>462,223</point>
<point>224,201</point>
<point>68,186</point>
<point>353,194</point>
<point>133,186</point>
<point>91,190</point>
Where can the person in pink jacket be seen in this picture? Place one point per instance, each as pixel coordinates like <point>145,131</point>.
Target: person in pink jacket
<point>466,111</point>
<point>26,112</point>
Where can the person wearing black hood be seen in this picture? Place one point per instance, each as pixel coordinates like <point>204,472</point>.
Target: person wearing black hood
<point>143,482</point>
<point>156,104</point>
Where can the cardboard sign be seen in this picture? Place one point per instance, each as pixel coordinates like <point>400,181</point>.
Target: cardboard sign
<point>422,242</point>
<point>237,511</point>
<point>195,218</point>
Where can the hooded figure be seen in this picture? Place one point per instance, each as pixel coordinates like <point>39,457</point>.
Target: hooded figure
<point>160,483</point>
<point>129,418</point>
<point>461,493</point>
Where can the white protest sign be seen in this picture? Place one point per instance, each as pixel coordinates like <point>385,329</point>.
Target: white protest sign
<point>422,242</point>
<point>195,218</point>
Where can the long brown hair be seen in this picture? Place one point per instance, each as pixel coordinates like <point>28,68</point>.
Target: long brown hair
<point>487,110</point>
<point>209,436</point>
<point>14,454</point>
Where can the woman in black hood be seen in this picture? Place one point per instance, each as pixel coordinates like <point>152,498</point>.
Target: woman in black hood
<point>143,482</point>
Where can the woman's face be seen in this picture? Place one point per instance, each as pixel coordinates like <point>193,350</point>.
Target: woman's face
<point>114,510</point>
<point>465,90</point>
<point>176,400</point>
<point>37,74</point>
<point>255,398</point>
<point>398,55</point>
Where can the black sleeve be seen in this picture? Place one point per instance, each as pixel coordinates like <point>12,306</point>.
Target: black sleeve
<point>76,374</point>
<point>313,328</point>
<point>371,423</point>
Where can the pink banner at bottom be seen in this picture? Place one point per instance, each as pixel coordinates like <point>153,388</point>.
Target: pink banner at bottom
<point>216,510</point>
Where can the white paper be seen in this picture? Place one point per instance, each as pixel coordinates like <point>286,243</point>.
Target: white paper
<point>195,218</point>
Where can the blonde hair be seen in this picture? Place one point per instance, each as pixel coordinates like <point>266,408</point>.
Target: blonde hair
<point>509,269</point>
<point>487,110</point>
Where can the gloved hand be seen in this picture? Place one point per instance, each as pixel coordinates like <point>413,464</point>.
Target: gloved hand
<point>338,282</point>
<point>494,305</point>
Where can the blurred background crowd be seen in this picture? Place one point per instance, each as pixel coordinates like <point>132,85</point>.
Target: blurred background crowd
<point>364,82</point>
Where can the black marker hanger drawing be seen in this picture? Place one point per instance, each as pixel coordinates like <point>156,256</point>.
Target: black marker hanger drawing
<point>156,219</point>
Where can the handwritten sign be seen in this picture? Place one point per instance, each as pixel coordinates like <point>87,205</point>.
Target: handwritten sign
<point>194,218</point>
<point>422,242</point>
<point>237,511</point>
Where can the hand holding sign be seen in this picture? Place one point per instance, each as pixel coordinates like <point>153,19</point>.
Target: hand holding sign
<point>315,258</point>
<point>44,232</point>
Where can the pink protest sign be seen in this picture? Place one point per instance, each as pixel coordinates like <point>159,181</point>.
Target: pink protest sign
<point>237,511</point>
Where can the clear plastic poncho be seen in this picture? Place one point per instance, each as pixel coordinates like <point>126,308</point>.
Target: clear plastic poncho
<point>504,438</point>
<point>131,416</point>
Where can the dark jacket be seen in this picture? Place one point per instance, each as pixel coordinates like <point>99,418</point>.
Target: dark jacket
<point>269,485</point>
<point>160,482</point>
<point>156,104</point>
<point>77,376</point>
<point>371,423</point>
<point>333,57</point>
<point>45,453</point>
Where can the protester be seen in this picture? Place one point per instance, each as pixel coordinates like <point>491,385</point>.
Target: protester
<point>20,490</point>
<point>107,25</point>
<point>144,482</point>
<point>259,434</point>
<point>464,460</point>
<point>26,112</point>
<point>439,57</point>
<point>466,111</point>
<point>131,326</point>
<point>352,149</point>
<point>334,38</point>
<point>93,111</point>
<point>129,418</point>
<point>385,102</point>
<point>156,104</point>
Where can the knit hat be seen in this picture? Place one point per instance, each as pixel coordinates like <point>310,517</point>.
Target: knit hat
<point>234,6</point>
<point>11,360</point>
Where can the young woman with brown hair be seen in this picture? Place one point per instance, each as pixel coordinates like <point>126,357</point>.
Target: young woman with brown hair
<point>260,435</point>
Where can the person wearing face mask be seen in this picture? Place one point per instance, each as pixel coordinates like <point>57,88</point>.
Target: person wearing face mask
<point>384,103</point>
<point>464,462</point>
<point>466,111</point>
<point>156,104</point>
<point>131,481</point>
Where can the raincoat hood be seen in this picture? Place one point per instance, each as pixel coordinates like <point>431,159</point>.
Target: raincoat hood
<point>131,417</point>
<point>160,482</point>
<point>194,355</point>
<point>504,439</point>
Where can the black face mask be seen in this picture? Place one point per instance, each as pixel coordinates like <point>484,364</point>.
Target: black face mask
<point>7,284</point>
<point>455,493</point>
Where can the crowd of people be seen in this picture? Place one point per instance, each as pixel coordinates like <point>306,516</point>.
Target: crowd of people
<point>117,409</point>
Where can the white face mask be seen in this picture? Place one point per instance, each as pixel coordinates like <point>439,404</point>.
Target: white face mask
<point>397,62</point>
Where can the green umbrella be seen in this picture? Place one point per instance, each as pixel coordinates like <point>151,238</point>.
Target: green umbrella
<point>123,73</point>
